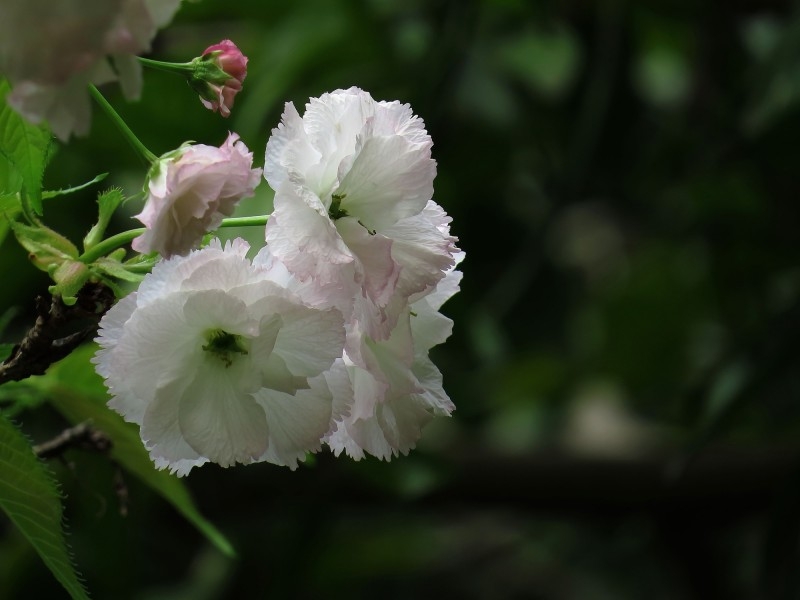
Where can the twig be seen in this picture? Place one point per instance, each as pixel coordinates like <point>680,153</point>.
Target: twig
<point>47,342</point>
<point>84,437</point>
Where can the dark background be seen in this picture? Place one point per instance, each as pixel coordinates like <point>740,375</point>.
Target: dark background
<point>623,178</point>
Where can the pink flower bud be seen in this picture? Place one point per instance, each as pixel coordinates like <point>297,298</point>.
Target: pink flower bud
<point>190,191</point>
<point>221,90</point>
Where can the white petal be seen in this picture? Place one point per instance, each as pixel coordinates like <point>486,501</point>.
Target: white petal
<point>390,179</point>
<point>218,420</point>
<point>296,423</point>
<point>288,149</point>
<point>162,435</point>
<point>155,346</point>
<point>424,248</point>
<point>377,272</point>
<point>302,235</point>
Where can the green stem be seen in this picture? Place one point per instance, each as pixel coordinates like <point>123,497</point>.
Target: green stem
<point>244,221</point>
<point>121,239</point>
<point>148,156</point>
<point>178,68</point>
<point>110,244</point>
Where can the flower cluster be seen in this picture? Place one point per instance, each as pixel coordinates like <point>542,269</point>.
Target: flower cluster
<point>323,338</point>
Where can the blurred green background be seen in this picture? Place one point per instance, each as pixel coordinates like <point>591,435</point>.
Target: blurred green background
<point>624,179</point>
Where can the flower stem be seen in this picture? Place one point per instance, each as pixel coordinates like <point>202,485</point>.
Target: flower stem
<point>244,221</point>
<point>121,239</point>
<point>183,69</point>
<point>110,244</point>
<point>148,156</point>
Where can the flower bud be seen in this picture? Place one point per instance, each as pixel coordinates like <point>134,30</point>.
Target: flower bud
<point>218,76</point>
<point>190,190</point>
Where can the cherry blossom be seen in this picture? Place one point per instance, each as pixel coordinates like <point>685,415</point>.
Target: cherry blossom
<point>217,363</point>
<point>190,191</point>
<point>353,181</point>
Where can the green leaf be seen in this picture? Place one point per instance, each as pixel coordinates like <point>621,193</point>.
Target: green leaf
<point>10,207</point>
<point>5,351</point>
<point>79,394</point>
<point>26,147</point>
<point>46,247</point>
<point>64,191</point>
<point>108,202</point>
<point>114,268</point>
<point>28,495</point>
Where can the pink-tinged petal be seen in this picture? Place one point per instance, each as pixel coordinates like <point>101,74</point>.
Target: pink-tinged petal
<point>424,248</point>
<point>376,271</point>
<point>393,118</point>
<point>394,429</point>
<point>303,237</point>
<point>390,360</point>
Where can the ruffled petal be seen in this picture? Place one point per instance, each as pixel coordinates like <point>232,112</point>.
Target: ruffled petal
<point>220,421</point>
<point>390,179</point>
<point>297,422</point>
<point>306,241</point>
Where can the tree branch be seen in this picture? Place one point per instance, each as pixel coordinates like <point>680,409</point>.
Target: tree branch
<point>58,330</point>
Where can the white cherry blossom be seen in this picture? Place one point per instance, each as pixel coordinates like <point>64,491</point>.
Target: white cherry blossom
<point>216,362</point>
<point>353,181</point>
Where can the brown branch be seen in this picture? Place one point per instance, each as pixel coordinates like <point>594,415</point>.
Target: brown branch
<point>82,437</point>
<point>58,330</point>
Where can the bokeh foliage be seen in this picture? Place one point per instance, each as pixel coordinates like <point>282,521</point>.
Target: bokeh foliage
<point>623,177</point>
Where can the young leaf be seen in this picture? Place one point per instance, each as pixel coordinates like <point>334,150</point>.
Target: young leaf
<point>107,202</point>
<point>46,195</point>
<point>26,147</point>
<point>45,246</point>
<point>114,268</point>
<point>78,393</point>
<point>28,495</point>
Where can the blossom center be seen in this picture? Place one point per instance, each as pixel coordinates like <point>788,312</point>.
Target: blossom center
<point>224,345</point>
<point>336,211</point>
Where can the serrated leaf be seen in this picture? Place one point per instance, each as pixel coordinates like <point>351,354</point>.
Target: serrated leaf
<point>25,146</point>
<point>10,207</point>
<point>78,393</point>
<point>10,180</point>
<point>46,195</point>
<point>28,495</point>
